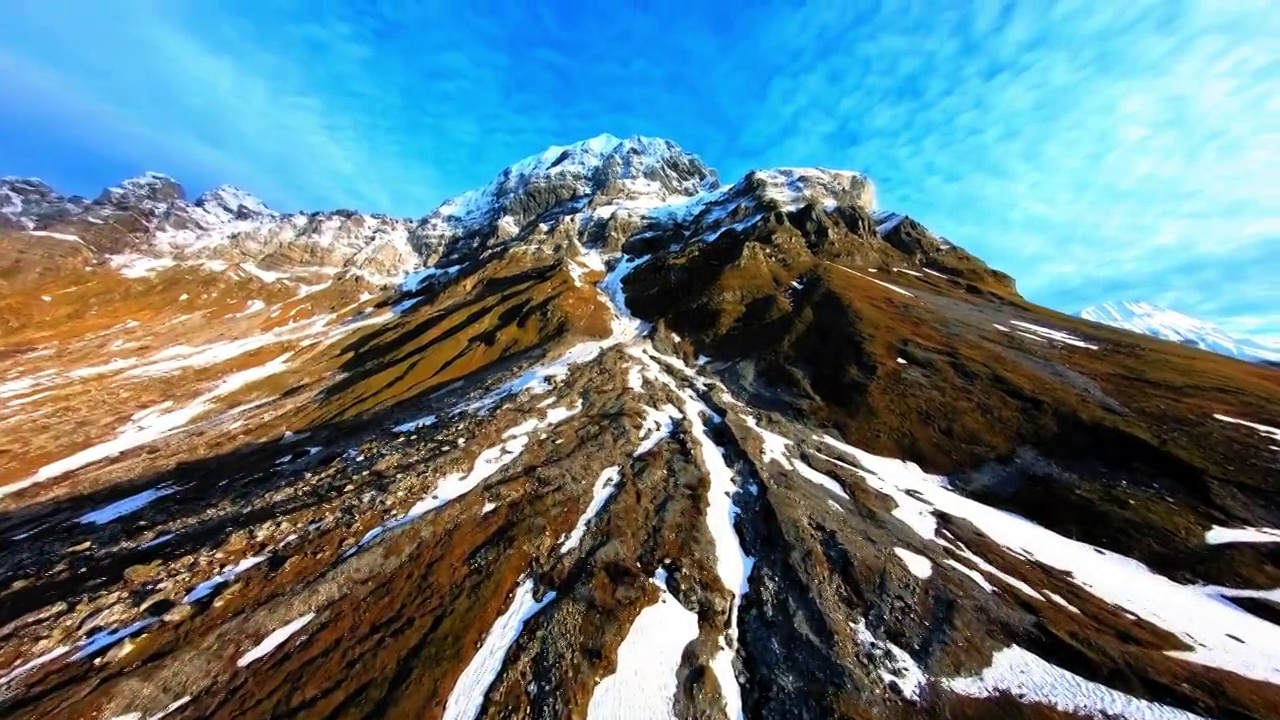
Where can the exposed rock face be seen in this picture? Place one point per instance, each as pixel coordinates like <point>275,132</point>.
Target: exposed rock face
<point>624,442</point>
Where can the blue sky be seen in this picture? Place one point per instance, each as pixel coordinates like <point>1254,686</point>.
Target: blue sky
<point>1095,150</point>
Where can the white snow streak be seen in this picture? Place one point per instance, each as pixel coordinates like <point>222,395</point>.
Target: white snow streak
<point>158,716</point>
<point>890,286</point>
<point>56,236</point>
<point>606,485</point>
<point>1218,535</point>
<point>1055,335</point>
<point>274,640</point>
<point>227,575</point>
<point>775,450</point>
<point>658,424</point>
<point>104,639</point>
<point>150,425</point>
<point>455,485</point>
<point>732,564</point>
<point>467,696</point>
<point>120,508</point>
<point>1266,430</point>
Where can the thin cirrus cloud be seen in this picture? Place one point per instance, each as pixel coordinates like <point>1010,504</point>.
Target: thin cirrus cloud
<point>1095,151</point>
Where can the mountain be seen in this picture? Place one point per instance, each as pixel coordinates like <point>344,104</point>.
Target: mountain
<point>609,438</point>
<point>146,223</point>
<point>1166,324</point>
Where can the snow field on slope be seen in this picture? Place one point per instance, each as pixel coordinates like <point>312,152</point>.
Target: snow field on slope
<point>1024,675</point>
<point>1219,634</point>
<point>150,425</point>
<point>644,684</point>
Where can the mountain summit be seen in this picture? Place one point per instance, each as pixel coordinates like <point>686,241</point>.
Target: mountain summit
<point>606,438</point>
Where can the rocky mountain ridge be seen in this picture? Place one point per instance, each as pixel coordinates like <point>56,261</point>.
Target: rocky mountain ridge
<point>610,187</point>
<point>622,442</point>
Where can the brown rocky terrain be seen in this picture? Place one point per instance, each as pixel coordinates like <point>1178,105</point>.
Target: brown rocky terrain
<point>630,444</point>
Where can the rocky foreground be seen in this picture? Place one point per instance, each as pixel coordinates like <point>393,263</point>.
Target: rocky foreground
<point>607,439</point>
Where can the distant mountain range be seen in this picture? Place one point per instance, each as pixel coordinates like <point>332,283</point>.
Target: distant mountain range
<point>1156,321</point>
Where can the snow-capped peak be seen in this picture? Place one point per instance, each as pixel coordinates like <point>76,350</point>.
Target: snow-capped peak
<point>587,155</point>
<point>633,167</point>
<point>796,186</point>
<point>229,202</point>
<point>24,201</point>
<point>148,188</point>
<point>1156,321</point>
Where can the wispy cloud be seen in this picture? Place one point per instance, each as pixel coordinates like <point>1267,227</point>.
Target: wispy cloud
<point>1094,150</point>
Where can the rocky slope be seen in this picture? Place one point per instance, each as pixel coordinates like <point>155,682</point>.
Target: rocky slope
<point>624,442</point>
<point>1167,324</point>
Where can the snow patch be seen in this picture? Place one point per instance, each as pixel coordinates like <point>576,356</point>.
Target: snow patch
<point>1024,675</point>
<point>644,684</point>
<point>895,665</point>
<point>658,424</point>
<point>919,565</point>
